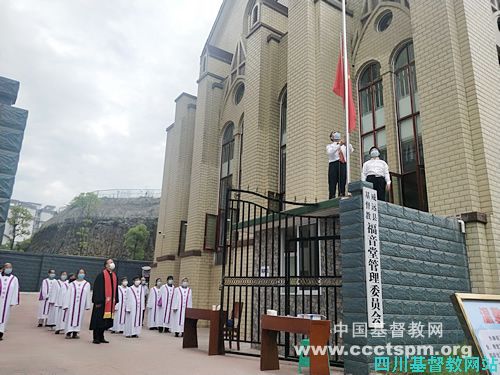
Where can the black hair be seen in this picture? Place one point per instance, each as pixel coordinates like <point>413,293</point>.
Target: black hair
<point>158,279</point>
<point>170,278</point>
<point>123,278</point>
<point>63,272</point>
<point>81,269</point>
<point>106,262</point>
<point>50,270</point>
<point>136,278</point>
<point>71,277</point>
<point>374,148</point>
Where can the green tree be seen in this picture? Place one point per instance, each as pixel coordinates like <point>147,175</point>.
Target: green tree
<point>136,240</point>
<point>88,203</point>
<point>19,221</point>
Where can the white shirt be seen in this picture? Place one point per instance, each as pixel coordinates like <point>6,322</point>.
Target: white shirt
<point>376,167</point>
<point>333,151</point>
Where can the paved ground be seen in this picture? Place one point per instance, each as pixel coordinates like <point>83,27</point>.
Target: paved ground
<point>28,350</point>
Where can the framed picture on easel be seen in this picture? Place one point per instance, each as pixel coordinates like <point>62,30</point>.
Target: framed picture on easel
<point>479,315</point>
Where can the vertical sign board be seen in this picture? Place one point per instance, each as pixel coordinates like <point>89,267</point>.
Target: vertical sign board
<point>372,260</point>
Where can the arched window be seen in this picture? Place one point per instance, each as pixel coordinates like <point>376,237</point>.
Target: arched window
<point>255,15</point>
<point>282,165</point>
<point>226,164</point>
<point>411,151</point>
<point>371,107</point>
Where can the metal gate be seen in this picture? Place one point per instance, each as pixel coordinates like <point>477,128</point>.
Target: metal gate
<point>284,260</point>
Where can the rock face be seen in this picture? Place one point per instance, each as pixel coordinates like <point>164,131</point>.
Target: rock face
<point>107,227</point>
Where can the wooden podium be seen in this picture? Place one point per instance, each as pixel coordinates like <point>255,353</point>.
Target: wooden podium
<point>216,339</point>
<point>318,332</point>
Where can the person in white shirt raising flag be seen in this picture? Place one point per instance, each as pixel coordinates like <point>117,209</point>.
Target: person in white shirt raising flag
<point>9,295</point>
<point>376,171</point>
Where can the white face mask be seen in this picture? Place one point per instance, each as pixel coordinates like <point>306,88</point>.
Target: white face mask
<point>143,282</point>
<point>184,284</point>
<point>158,284</point>
<point>374,153</point>
<point>7,271</point>
<point>52,275</point>
<point>170,282</point>
<point>64,277</point>
<point>112,266</point>
<point>125,283</point>
<point>137,282</point>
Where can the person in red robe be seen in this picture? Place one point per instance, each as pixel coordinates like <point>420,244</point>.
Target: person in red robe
<point>104,298</point>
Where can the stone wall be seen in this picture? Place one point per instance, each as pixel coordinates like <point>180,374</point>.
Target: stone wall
<point>423,260</point>
<point>31,269</point>
<point>109,224</point>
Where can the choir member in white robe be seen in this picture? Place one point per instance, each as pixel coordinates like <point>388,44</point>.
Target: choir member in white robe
<point>145,290</point>
<point>43,298</point>
<point>9,295</point>
<point>134,309</point>
<point>78,300</point>
<point>166,298</point>
<point>59,301</point>
<point>183,298</point>
<point>53,309</point>
<point>119,320</point>
<point>154,317</point>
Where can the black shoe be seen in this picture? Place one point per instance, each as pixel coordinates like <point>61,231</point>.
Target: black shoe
<point>160,329</point>
<point>135,336</point>
<point>75,335</point>
<point>96,342</point>
<point>1,336</point>
<point>68,336</point>
<point>152,329</point>
<point>104,341</point>
<point>57,332</point>
<point>176,334</point>
<point>167,330</point>
<point>40,325</point>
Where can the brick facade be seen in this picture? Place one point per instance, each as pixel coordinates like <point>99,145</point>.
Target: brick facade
<point>296,48</point>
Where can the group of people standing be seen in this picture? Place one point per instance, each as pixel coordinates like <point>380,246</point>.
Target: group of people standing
<point>63,302</point>
<point>118,308</point>
<point>165,305</point>
<point>375,170</point>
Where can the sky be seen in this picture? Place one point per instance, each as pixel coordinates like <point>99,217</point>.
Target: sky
<point>99,79</point>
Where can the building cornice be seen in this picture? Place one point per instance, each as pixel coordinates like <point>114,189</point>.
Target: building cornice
<point>219,54</point>
<point>266,26</point>
<point>208,74</point>
<point>273,4</point>
<point>185,94</point>
<point>169,127</point>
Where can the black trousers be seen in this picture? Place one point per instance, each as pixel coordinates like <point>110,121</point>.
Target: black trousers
<point>98,334</point>
<point>337,176</point>
<point>379,185</point>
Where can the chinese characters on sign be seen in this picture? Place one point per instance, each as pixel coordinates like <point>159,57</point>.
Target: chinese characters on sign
<point>372,260</point>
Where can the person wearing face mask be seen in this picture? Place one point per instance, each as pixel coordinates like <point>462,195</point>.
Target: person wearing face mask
<point>104,297</point>
<point>376,171</point>
<point>119,321</point>
<point>183,298</point>
<point>165,306</point>
<point>53,309</point>
<point>44,306</point>
<point>76,303</point>
<point>63,285</point>
<point>145,290</point>
<point>154,318</point>
<point>337,166</point>
<point>134,309</point>
<point>9,295</point>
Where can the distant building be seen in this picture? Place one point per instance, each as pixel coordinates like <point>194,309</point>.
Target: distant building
<point>40,214</point>
<point>12,125</point>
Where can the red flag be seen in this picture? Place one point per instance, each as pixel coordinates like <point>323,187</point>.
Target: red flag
<point>339,88</point>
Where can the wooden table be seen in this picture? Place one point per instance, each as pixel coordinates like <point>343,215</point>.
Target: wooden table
<point>216,319</point>
<point>318,332</point>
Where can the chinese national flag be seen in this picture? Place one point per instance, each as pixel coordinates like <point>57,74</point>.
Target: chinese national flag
<point>339,88</point>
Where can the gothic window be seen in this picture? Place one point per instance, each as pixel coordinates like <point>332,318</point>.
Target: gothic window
<point>371,103</point>
<point>409,129</point>
<point>238,63</point>
<point>226,164</point>
<point>283,133</point>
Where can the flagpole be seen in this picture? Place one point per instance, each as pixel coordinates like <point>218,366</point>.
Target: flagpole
<point>346,88</point>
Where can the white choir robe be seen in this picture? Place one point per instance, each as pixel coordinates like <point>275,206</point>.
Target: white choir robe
<point>119,320</point>
<point>9,296</point>
<point>78,299</point>
<point>165,310</point>
<point>135,309</point>
<point>54,291</point>
<point>182,298</point>
<point>61,297</point>
<point>154,317</point>
<point>43,298</point>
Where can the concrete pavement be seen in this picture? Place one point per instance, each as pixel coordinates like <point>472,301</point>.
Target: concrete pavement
<point>28,350</point>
